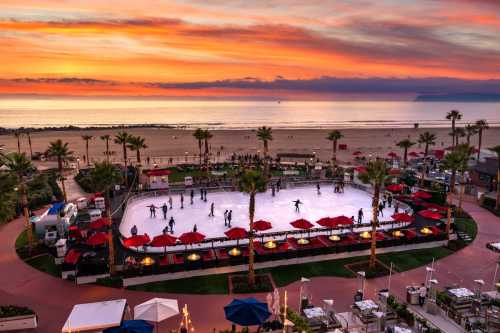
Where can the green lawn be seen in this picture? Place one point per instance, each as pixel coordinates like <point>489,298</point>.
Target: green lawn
<point>466,225</point>
<point>22,239</point>
<point>284,275</point>
<point>45,263</point>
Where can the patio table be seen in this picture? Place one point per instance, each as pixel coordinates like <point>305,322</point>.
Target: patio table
<point>314,312</point>
<point>461,292</point>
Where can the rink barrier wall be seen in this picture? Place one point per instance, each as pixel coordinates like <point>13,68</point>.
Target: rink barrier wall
<point>133,281</point>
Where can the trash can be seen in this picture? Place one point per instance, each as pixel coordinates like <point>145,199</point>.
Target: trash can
<point>412,295</point>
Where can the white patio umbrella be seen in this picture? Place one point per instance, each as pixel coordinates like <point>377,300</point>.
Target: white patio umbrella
<point>156,309</point>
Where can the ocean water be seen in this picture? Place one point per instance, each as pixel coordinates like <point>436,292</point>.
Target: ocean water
<point>48,112</point>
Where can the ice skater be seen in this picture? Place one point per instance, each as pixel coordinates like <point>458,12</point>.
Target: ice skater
<point>389,200</point>
<point>201,193</point>
<point>360,215</point>
<point>381,209</point>
<point>297,204</point>
<point>171,224</point>
<point>212,206</point>
<point>182,200</point>
<point>229,218</point>
<point>133,230</point>
<point>278,185</point>
<point>165,230</point>
<point>396,207</point>
<point>225,217</point>
<point>164,208</point>
<point>170,201</point>
<point>192,196</point>
<point>205,195</point>
<point>273,190</point>
<point>318,188</point>
<point>152,211</point>
<point>195,228</point>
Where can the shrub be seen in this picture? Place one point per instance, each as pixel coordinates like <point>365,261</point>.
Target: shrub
<point>301,324</point>
<point>13,311</point>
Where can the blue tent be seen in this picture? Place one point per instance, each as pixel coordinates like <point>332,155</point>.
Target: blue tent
<point>131,326</point>
<point>56,208</point>
<point>247,312</point>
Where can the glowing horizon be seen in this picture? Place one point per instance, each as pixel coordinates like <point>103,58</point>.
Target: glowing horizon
<point>123,48</point>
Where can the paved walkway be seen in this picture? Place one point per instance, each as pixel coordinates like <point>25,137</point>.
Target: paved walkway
<point>53,298</point>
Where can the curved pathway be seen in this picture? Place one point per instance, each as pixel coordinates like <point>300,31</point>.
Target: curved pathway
<point>53,298</point>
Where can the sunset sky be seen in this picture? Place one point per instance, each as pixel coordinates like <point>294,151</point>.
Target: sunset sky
<point>241,47</point>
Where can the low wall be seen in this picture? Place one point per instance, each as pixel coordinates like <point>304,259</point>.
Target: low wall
<point>273,263</point>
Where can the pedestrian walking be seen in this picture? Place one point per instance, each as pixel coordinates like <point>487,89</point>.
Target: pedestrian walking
<point>422,293</point>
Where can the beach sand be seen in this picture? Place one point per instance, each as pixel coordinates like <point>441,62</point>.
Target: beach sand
<point>164,143</point>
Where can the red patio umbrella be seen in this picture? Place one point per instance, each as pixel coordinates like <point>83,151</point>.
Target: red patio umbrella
<point>261,225</point>
<point>402,217</point>
<point>137,240</point>
<point>99,238</point>
<point>394,187</point>
<point>236,233</point>
<point>191,237</point>
<point>100,223</point>
<point>413,154</point>
<point>163,240</point>
<point>302,224</point>
<point>326,222</point>
<point>422,195</point>
<point>360,169</point>
<point>392,154</point>
<point>342,220</point>
<point>72,257</point>
<point>357,153</point>
<point>429,214</point>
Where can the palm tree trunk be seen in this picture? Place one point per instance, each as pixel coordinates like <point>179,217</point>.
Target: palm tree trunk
<point>87,151</point>
<point>334,157</point>
<point>479,144</point>
<point>199,148</point>
<point>251,271</point>
<point>424,167</point>
<point>138,153</point>
<point>461,193</point>
<point>468,140</point>
<point>29,144</point>
<point>124,147</point>
<point>107,150</point>
<point>206,153</point>
<point>497,206</point>
<point>452,181</point>
<point>448,217</point>
<point>18,145</point>
<point>376,198</point>
<point>27,226</point>
<point>453,131</point>
<point>405,157</point>
<point>60,165</point>
<point>111,245</point>
<point>266,166</point>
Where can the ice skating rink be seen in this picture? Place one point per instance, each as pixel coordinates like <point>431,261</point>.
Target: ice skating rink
<point>279,210</point>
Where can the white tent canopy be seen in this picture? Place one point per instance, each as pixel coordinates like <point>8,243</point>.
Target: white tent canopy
<point>95,317</point>
<point>156,309</point>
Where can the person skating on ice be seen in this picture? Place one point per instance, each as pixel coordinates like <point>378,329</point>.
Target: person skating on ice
<point>165,230</point>
<point>133,230</point>
<point>195,228</point>
<point>297,204</point>
<point>164,208</point>
<point>229,218</point>
<point>273,190</point>
<point>152,211</point>
<point>205,195</point>
<point>225,217</point>
<point>212,206</point>
<point>360,215</point>
<point>170,201</point>
<point>171,224</point>
<point>192,196</point>
<point>318,188</point>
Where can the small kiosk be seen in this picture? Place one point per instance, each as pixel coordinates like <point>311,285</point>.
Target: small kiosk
<point>158,179</point>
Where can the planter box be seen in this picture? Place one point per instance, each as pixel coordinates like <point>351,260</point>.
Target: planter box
<point>18,323</point>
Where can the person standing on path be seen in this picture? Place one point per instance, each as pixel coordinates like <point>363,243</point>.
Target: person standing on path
<point>422,293</point>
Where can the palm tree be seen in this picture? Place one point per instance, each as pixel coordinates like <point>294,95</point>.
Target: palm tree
<point>496,149</point>
<point>136,143</point>
<point>459,133</point>
<point>265,134</point>
<point>28,135</point>
<point>453,115</point>
<point>87,138</point>
<point>405,145</point>
<point>18,135</point>
<point>206,137</point>
<point>376,175</point>
<point>334,136</point>
<point>428,139</point>
<point>104,177</point>
<point>122,138</point>
<point>470,131</point>
<point>61,152</point>
<point>199,135</point>
<point>481,125</point>
<point>252,182</point>
<point>106,138</point>
<point>19,166</point>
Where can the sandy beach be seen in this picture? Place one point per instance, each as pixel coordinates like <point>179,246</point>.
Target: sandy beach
<point>164,143</point>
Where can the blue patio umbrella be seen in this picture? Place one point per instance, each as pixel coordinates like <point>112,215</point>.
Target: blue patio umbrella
<point>131,326</point>
<point>247,312</point>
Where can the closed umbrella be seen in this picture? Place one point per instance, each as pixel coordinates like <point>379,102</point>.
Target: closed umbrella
<point>156,310</point>
<point>247,312</point>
